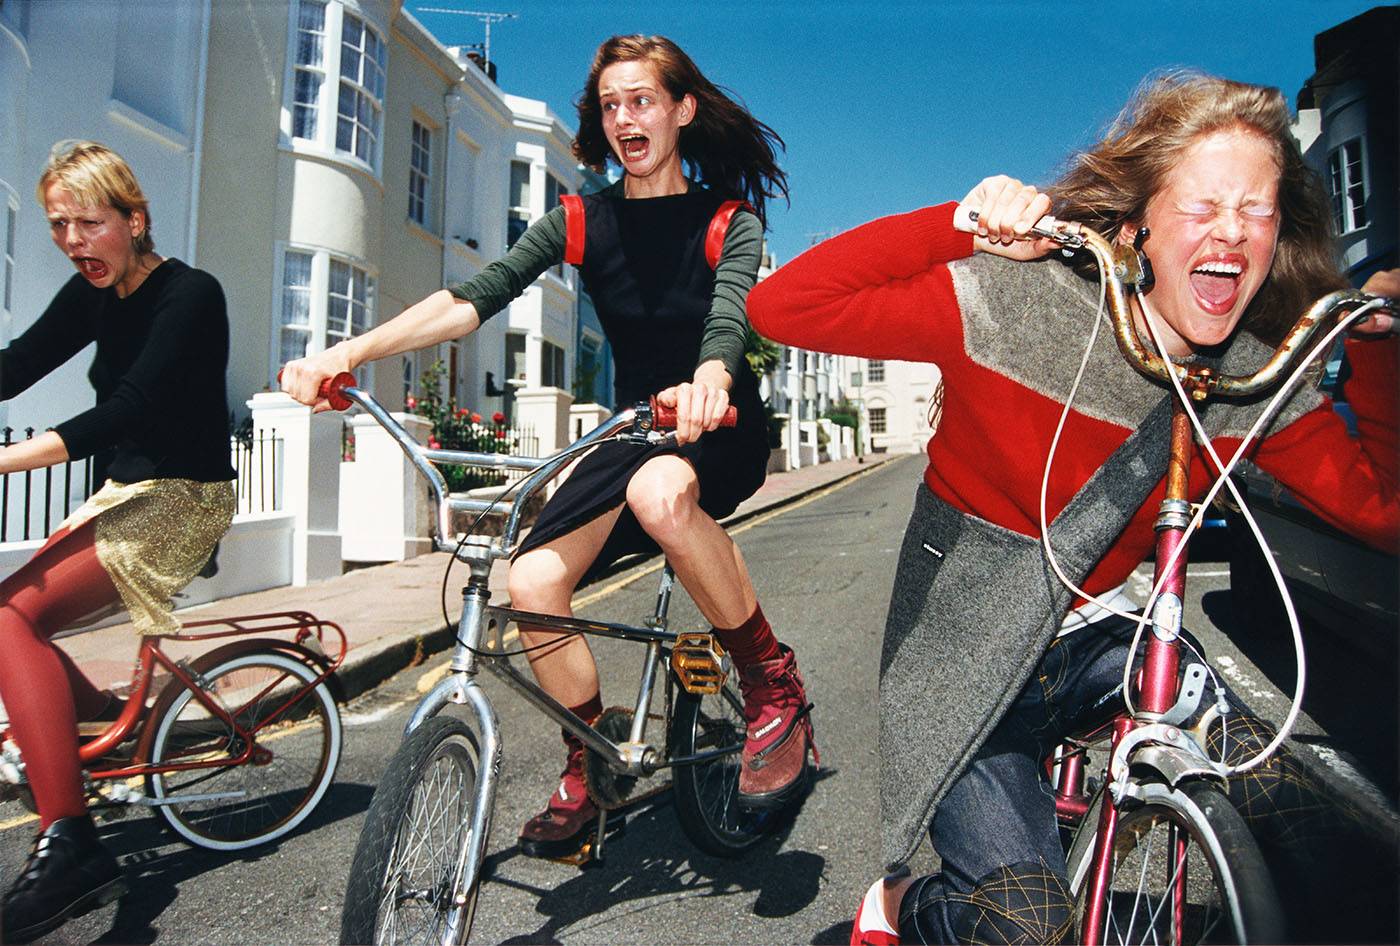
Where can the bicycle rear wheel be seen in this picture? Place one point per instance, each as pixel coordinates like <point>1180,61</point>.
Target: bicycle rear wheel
<point>707,793</point>
<point>401,879</point>
<point>296,739</point>
<point>1184,869</point>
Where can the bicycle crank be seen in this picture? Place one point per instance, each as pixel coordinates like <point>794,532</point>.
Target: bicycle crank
<point>607,787</point>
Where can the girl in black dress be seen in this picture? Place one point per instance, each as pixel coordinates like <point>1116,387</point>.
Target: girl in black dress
<point>668,261</point>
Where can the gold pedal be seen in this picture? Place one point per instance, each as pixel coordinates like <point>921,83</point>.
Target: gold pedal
<point>700,662</point>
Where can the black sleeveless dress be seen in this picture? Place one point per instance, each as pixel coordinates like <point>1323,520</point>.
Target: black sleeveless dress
<point>644,266</point>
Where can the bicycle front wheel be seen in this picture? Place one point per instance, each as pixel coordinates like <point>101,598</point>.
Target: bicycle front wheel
<point>1183,869</point>
<point>288,730</point>
<point>707,793</point>
<point>415,834</point>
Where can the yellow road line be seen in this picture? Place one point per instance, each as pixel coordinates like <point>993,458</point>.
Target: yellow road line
<point>431,679</point>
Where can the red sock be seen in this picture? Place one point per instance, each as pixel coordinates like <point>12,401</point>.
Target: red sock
<point>588,711</point>
<point>751,642</point>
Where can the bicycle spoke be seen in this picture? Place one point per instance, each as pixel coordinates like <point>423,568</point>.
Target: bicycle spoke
<point>416,897</point>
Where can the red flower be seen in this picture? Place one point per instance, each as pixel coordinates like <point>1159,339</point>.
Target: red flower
<point>500,435</point>
<point>433,443</point>
<point>461,412</point>
<point>410,402</point>
<point>498,417</point>
<point>476,418</point>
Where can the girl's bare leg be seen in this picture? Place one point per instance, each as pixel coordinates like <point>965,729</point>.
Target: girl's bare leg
<point>664,495</point>
<point>543,580</point>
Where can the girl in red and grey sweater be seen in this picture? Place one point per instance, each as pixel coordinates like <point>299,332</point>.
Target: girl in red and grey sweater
<point>1240,245</point>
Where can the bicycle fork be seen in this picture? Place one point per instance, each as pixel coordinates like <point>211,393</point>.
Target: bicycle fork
<point>460,687</point>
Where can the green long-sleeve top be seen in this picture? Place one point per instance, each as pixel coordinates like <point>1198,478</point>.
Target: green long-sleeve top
<point>542,246</point>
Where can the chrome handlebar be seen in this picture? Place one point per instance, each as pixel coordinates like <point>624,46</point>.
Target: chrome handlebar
<point>1125,269</point>
<point>541,469</point>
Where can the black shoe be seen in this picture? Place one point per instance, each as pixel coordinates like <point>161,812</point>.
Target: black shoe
<point>68,873</point>
<point>97,725</point>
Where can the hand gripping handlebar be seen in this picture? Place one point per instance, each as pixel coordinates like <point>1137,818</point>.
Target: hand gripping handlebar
<point>664,418</point>
<point>1124,269</point>
<point>341,391</point>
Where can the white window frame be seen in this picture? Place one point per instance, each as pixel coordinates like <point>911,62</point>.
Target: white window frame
<point>875,371</point>
<point>321,295</point>
<point>367,88</point>
<point>9,239</point>
<point>420,175</point>
<point>1341,186</point>
<point>554,360</point>
<point>884,425</point>
<point>518,210</point>
<point>315,71</point>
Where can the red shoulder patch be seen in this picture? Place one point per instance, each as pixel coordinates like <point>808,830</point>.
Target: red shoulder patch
<point>573,228</point>
<point>719,226</point>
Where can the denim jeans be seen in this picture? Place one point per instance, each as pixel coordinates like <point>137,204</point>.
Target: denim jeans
<point>1002,878</point>
<point>1003,863</point>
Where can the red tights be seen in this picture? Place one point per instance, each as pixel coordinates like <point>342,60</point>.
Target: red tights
<point>43,690</point>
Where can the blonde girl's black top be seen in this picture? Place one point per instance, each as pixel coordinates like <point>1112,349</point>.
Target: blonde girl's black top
<point>158,373</point>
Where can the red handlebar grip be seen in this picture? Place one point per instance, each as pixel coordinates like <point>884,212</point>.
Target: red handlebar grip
<point>333,390</point>
<point>664,418</point>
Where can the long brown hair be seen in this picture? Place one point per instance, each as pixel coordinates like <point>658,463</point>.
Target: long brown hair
<point>1110,184</point>
<point>727,149</point>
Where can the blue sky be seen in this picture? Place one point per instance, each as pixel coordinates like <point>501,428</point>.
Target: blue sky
<point>890,106</point>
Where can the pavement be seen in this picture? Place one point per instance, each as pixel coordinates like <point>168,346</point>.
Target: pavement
<point>392,613</point>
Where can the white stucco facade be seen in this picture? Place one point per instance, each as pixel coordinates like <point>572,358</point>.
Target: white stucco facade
<point>129,75</point>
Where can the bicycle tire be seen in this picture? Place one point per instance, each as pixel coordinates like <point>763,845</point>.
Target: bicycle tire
<point>1236,904</point>
<point>707,793</point>
<point>412,839</point>
<point>277,790</point>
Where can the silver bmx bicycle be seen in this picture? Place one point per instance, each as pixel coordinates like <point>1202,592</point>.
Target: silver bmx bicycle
<point>417,868</point>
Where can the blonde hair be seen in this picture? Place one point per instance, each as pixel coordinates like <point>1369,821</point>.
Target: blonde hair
<point>95,175</point>
<point>1110,184</point>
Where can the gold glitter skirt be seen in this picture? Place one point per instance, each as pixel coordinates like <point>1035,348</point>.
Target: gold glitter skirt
<point>153,538</point>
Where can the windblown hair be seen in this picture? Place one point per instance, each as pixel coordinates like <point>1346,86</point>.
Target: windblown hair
<point>727,149</point>
<point>95,175</point>
<point>1110,184</point>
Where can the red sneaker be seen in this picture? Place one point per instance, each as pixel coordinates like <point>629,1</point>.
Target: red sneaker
<point>564,825</point>
<point>779,734</point>
<point>871,926</point>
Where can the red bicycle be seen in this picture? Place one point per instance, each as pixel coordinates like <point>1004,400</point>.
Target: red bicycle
<point>237,748</point>
<point>1158,852</point>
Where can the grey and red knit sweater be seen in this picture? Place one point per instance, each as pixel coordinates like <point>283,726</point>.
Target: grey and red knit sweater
<point>1008,337</point>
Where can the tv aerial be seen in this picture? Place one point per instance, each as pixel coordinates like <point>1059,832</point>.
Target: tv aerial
<point>487,17</point>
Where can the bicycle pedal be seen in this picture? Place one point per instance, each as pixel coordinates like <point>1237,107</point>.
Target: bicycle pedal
<point>699,662</point>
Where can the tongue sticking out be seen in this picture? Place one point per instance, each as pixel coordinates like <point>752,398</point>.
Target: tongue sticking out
<point>1214,288</point>
<point>91,268</point>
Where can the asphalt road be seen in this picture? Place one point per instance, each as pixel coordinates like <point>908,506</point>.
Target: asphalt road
<point>823,567</point>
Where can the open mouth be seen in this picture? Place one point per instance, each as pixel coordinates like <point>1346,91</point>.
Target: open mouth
<point>1216,283</point>
<point>93,269</point>
<point>634,147</point>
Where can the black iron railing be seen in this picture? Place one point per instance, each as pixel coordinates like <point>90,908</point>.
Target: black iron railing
<point>34,502</point>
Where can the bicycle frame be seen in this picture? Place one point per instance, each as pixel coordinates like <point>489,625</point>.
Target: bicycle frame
<point>472,649</point>
<point>309,633</point>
